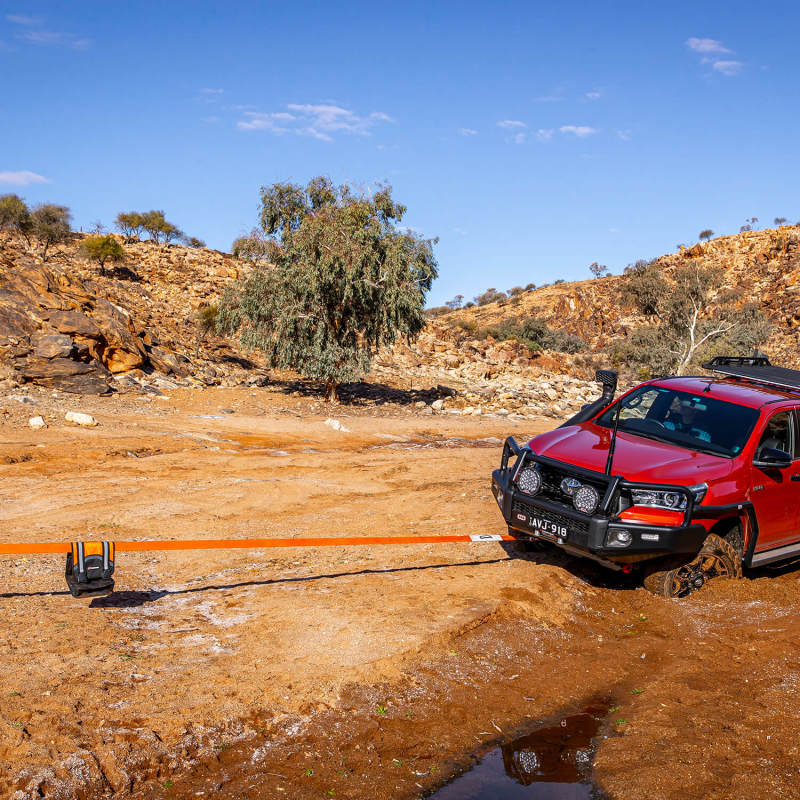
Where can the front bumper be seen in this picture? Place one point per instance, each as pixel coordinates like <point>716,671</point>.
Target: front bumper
<point>544,519</point>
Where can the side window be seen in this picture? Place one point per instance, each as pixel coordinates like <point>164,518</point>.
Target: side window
<point>780,433</point>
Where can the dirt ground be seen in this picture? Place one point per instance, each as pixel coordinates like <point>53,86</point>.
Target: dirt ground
<point>348,672</point>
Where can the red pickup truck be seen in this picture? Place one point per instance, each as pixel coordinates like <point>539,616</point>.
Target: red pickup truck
<point>682,478</point>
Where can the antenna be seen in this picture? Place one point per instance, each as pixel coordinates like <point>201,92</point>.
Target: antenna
<point>612,446</point>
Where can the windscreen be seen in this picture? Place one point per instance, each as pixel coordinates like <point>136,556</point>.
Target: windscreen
<point>695,421</point>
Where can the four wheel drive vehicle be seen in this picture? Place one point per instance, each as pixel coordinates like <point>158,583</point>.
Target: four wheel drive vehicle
<point>683,478</point>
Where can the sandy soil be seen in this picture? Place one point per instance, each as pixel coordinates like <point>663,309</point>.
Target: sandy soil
<point>351,672</point>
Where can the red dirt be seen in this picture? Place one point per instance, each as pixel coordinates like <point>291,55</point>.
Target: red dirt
<point>365,673</point>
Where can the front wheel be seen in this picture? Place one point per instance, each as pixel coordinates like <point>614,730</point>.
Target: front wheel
<point>717,558</point>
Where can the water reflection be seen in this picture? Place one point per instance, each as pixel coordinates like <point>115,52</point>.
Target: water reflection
<point>553,762</point>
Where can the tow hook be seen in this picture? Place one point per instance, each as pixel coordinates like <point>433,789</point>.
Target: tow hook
<point>697,580</point>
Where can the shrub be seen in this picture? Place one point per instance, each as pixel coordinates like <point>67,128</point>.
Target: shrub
<point>490,296</point>
<point>456,302</point>
<point>598,270</point>
<point>705,234</point>
<point>530,287</point>
<point>193,241</point>
<point>780,221</point>
<point>159,228</point>
<point>15,216</point>
<point>130,224</point>
<point>517,290</point>
<point>101,249</point>
<point>50,224</point>
<point>255,248</point>
<point>206,318</point>
<point>469,304</point>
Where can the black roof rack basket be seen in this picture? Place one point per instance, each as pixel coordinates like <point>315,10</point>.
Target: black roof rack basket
<point>756,369</point>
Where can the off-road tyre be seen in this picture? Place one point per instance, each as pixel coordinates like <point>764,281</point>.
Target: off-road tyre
<point>718,558</point>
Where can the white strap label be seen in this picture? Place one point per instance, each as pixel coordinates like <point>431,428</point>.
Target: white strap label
<point>486,537</point>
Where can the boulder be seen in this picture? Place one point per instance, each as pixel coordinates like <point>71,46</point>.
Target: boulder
<point>52,345</point>
<point>37,423</point>
<point>84,420</point>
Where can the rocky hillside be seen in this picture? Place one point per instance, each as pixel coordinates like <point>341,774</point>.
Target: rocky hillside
<point>64,325</point>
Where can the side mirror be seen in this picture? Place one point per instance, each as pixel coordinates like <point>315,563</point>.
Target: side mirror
<point>772,458</point>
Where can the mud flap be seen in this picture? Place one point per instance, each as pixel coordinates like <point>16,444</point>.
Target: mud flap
<point>90,569</point>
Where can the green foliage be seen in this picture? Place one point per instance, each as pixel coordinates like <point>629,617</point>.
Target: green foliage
<point>255,247</point>
<point>159,228</point>
<point>535,334</point>
<point>694,319</point>
<point>780,221</point>
<point>530,287</point>
<point>643,287</point>
<point>490,296</point>
<point>705,234</point>
<point>516,291</point>
<point>155,224</point>
<point>15,216</point>
<point>50,224</point>
<point>193,241</point>
<point>456,302</point>
<point>130,224</point>
<point>207,319</point>
<point>345,281</point>
<point>101,249</point>
<point>598,270</point>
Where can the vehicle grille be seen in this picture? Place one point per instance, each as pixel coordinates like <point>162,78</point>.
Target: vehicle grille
<point>562,519</point>
<point>551,486</point>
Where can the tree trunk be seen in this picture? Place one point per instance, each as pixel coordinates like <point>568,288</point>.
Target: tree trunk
<point>331,391</point>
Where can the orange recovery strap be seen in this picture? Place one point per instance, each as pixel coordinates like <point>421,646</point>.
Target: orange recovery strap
<point>35,548</point>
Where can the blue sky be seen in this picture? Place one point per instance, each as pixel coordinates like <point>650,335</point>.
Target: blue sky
<point>531,138</point>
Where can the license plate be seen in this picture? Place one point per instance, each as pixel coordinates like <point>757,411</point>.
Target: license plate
<point>543,526</point>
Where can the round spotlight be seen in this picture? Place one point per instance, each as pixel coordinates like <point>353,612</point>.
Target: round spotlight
<point>530,480</point>
<point>586,499</point>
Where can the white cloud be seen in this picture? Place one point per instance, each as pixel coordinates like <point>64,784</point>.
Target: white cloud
<point>53,38</point>
<point>545,134</point>
<point>316,121</point>
<point>21,19</point>
<point>625,135</point>
<point>22,178</point>
<point>728,68</point>
<point>206,90</point>
<point>518,138</point>
<point>706,46</point>
<point>467,132</point>
<point>595,95</point>
<point>511,123</point>
<point>581,131</point>
<point>547,98</point>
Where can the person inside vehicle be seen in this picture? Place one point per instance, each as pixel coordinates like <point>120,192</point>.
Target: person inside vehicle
<point>683,417</point>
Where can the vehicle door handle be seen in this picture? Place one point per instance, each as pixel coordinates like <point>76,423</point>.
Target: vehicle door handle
<point>795,477</point>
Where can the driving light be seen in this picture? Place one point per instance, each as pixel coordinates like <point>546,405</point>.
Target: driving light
<point>586,499</point>
<point>530,480</point>
<point>619,538</point>
<point>570,485</point>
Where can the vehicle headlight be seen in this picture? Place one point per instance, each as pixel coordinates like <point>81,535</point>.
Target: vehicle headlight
<point>530,480</point>
<point>673,501</point>
<point>586,499</point>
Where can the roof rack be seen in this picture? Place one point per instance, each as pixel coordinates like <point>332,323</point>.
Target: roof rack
<point>756,369</point>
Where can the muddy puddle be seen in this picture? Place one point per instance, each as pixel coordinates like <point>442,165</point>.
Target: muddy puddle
<point>551,762</point>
